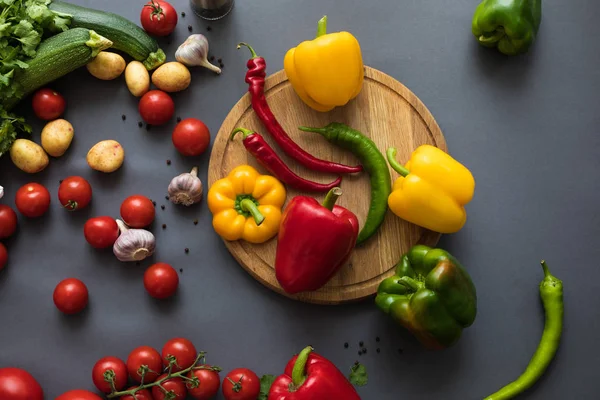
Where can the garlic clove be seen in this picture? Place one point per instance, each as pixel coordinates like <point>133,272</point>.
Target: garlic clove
<point>186,189</point>
<point>133,244</point>
<point>194,52</point>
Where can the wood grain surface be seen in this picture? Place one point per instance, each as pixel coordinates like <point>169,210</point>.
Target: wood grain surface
<point>386,111</point>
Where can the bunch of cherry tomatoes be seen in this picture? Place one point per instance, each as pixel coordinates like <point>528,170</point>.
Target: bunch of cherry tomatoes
<point>174,373</point>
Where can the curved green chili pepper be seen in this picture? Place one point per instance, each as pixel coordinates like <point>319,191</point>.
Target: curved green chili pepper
<point>373,162</point>
<point>551,292</point>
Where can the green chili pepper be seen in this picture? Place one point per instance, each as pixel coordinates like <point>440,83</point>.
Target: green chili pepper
<point>373,162</point>
<point>551,292</point>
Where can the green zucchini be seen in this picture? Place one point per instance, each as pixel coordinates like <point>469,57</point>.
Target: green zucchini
<point>56,57</point>
<point>125,35</point>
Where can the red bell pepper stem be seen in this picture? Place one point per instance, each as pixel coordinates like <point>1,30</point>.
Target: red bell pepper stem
<point>396,166</point>
<point>249,206</point>
<point>268,158</point>
<point>331,198</point>
<point>255,77</point>
<point>322,26</point>
<point>299,370</point>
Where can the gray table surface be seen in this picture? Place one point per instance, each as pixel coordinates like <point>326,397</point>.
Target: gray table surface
<point>527,127</point>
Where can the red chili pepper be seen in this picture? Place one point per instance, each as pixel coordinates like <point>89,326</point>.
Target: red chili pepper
<point>255,77</point>
<point>314,242</point>
<point>309,376</point>
<point>267,157</point>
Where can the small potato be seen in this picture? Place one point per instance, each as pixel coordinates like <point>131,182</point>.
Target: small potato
<point>106,66</point>
<point>172,77</point>
<point>106,156</point>
<point>28,156</point>
<point>137,78</point>
<point>57,137</point>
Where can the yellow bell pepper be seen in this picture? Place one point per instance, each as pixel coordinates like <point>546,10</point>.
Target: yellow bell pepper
<point>432,190</point>
<point>328,71</point>
<point>246,205</point>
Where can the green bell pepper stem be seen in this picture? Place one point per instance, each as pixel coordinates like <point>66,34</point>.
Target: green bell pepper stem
<point>239,46</point>
<point>249,206</point>
<point>498,34</point>
<point>299,370</point>
<point>331,198</point>
<point>396,166</point>
<point>322,26</point>
<point>409,283</point>
<point>245,133</point>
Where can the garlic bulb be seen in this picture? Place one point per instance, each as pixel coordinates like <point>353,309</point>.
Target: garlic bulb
<point>133,244</point>
<point>194,52</point>
<point>186,188</point>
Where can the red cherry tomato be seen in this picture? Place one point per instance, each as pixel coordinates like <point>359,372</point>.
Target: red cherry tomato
<point>174,385</point>
<point>137,211</point>
<point>3,256</point>
<point>32,200</point>
<point>18,384</point>
<point>101,232</point>
<point>161,280</point>
<point>48,104</point>
<point>143,394</point>
<point>144,355</point>
<point>70,296</point>
<point>78,395</point>
<point>105,364</point>
<point>156,107</point>
<point>183,350</point>
<point>158,18</point>
<point>74,193</point>
<point>209,383</point>
<point>8,221</point>
<point>245,386</point>
<point>191,137</point>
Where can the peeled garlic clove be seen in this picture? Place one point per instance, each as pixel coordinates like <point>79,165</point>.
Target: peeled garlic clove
<point>133,244</point>
<point>194,52</point>
<point>186,188</point>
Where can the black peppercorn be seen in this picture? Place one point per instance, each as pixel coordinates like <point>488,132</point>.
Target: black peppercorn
<point>208,28</point>
<point>346,345</point>
<point>364,351</point>
<point>378,350</point>
<point>377,339</point>
<point>190,28</point>
<point>181,270</point>
<point>168,162</point>
<point>219,60</point>
<point>361,343</point>
<point>167,197</point>
<point>59,182</point>
<point>138,263</point>
<point>187,250</point>
<point>164,226</point>
<point>153,203</point>
<point>162,207</point>
<point>140,124</point>
<point>212,58</point>
<point>183,14</point>
<point>195,222</point>
<point>178,119</point>
<point>360,353</point>
<point>123,117</point>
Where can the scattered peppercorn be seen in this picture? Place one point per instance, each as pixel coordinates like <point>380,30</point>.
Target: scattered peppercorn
<point>168,162</point>
<point>167,197</point>
<point>123,117</point>
<point>59,182</point>
<point>140,124</point>
<point>178,119</point>
<point>138,263</point>
<point>187,250</point>
<point>162,207</point>
<point>164,226</point>
<point>208,28</point>
<point>212,58</point>
<point>220,60</point>
<point>181,270</point>
<point>378,350</point>
<point>346,345</point>
<point>190,28</point>
<point>153,203</point>
<point>169,42</point>
<point>365,351</point>
<point>377,339</point>
<point>361,343</point>
<point>195,222</point>
<point>360,353</point>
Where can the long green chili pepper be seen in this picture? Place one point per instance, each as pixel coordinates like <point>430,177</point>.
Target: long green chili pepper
<point>373,162</point>
<point>551,292</point>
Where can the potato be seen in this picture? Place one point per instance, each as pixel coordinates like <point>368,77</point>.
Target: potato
<point>172,77</point>
<point>106,66</point>
<point>137,78</point>
<point>28,156</point>
<point>106,156</point>
<point>57,137</point>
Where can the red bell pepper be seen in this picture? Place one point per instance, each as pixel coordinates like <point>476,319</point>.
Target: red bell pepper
<point>314,242</point>
<point>309,376</point>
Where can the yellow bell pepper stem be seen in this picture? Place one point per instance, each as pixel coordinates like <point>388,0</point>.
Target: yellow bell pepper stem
<point>322,26</point>
<point>396,166</point>
<point>248,206</point>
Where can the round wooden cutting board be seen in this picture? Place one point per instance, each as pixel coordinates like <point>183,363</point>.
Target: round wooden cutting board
<point>387,112</point>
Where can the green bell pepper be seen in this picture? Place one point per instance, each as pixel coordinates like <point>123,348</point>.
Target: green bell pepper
<point>509,25</point>
<point>431,295</point>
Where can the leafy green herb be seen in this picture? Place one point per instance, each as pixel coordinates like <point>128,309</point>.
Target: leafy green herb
<point>358,374</point>
<point>23,24</point>
<point>265,385</point>
<point>10,125</point>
